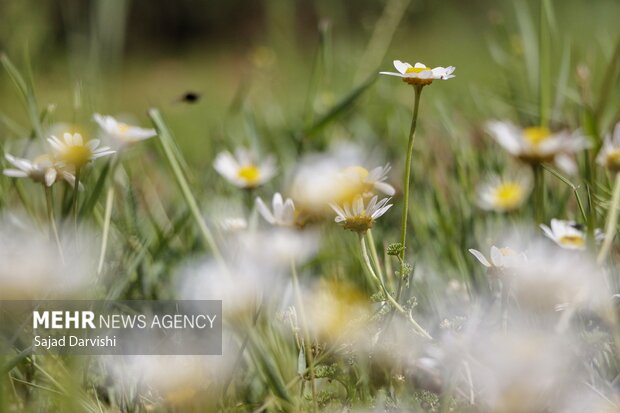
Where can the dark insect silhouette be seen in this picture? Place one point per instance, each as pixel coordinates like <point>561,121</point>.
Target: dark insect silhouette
<point>190,97</point>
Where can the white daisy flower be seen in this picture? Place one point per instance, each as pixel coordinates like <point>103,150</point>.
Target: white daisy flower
<point>42,170</point>
<point>504,194</point>
<point>283,211</point>
<point>538,144</point>
<point>566,234</point>
<point>359,218</point>
<point>609,155</point>
<point>366,183</point>
<point>419,74</point>
<point>500,257</point>
<point>122,133</point>
<point>73,151</point>
<point>243,170</point>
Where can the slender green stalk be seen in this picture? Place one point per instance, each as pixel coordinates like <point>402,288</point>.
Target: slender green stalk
<point>308,345</point>
<point>106,227</point>
<point>544,61</point>
<point>49,201</point>
<point>76,191</point>
<point>366,260</point>
<point>374,255</point>
<point>539,193</point>
<point>572,186</point>
<point>612,222</point>
<point>407,183</point>
<point>164,136</point>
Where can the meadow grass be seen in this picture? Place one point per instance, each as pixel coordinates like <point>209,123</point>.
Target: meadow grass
<point>398,318</point>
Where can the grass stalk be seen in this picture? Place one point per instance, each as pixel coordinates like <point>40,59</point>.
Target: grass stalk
<point>366,260</point>
<point>307,347</point>
<point>49,203</point>
<point>164,137</point>
<point>612,222</point>
<point>106,228</point>
<point>539,194</point>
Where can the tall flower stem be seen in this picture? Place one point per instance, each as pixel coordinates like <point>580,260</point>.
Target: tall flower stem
<point>49,201</point>
<point>419,329</point>
<point>612,222</point>
<point>539,193</point>
<point>407,183</point>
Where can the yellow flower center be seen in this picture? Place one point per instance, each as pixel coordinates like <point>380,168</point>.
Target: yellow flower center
<point>415,81</point>
<point>77,155</point>
<point>536,135</point>
<point>359,223</point>
<point>417,69</point>
<point>123,127</point>
<point>508,195</point>
<point>613,159</point>
<point>572,240</point>
<point>250,174</point>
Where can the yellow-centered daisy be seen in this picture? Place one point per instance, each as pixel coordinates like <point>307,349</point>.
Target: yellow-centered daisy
<point>359,218</point>
<point>43,169</point>
<point>243,170</point>
<point>536,145</point>
<point>419,74</point>
<point>504,194</point>
<point>566,234</point>
<point>73,151</point>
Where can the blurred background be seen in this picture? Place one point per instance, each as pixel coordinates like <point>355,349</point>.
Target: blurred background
<point>283,62</point>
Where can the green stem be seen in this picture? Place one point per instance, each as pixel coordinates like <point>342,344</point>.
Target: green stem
<point>76,191</point>
<point>164,138</point>
<point>420,330</point>
<point>407,183</point>
<point>544,75</point>
<point>106,227</point>
<point>373,254</point>
<point>539,193</point>
<point>612,222</point>
<point>49,201</point>
<point>307,343</point>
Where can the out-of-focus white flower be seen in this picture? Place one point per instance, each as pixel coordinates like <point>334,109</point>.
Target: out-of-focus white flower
<point>566,234</point>
<point>283,246</point>
<point>609,155</point>
<point>419,74</point>
<point>243,169</point>
<point>504,194</point>
<point>554,278</point>
<point>74,152</point>
<point>167,379</point>
<point>121,133</point>
<point>538,144</point>
<point>359,218</point>
<point>338,310</point>
<point>283,211</point>
<point>500,258</point>
<point>32,267</point>
<point>42,170</point>
<point>520,370</point>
